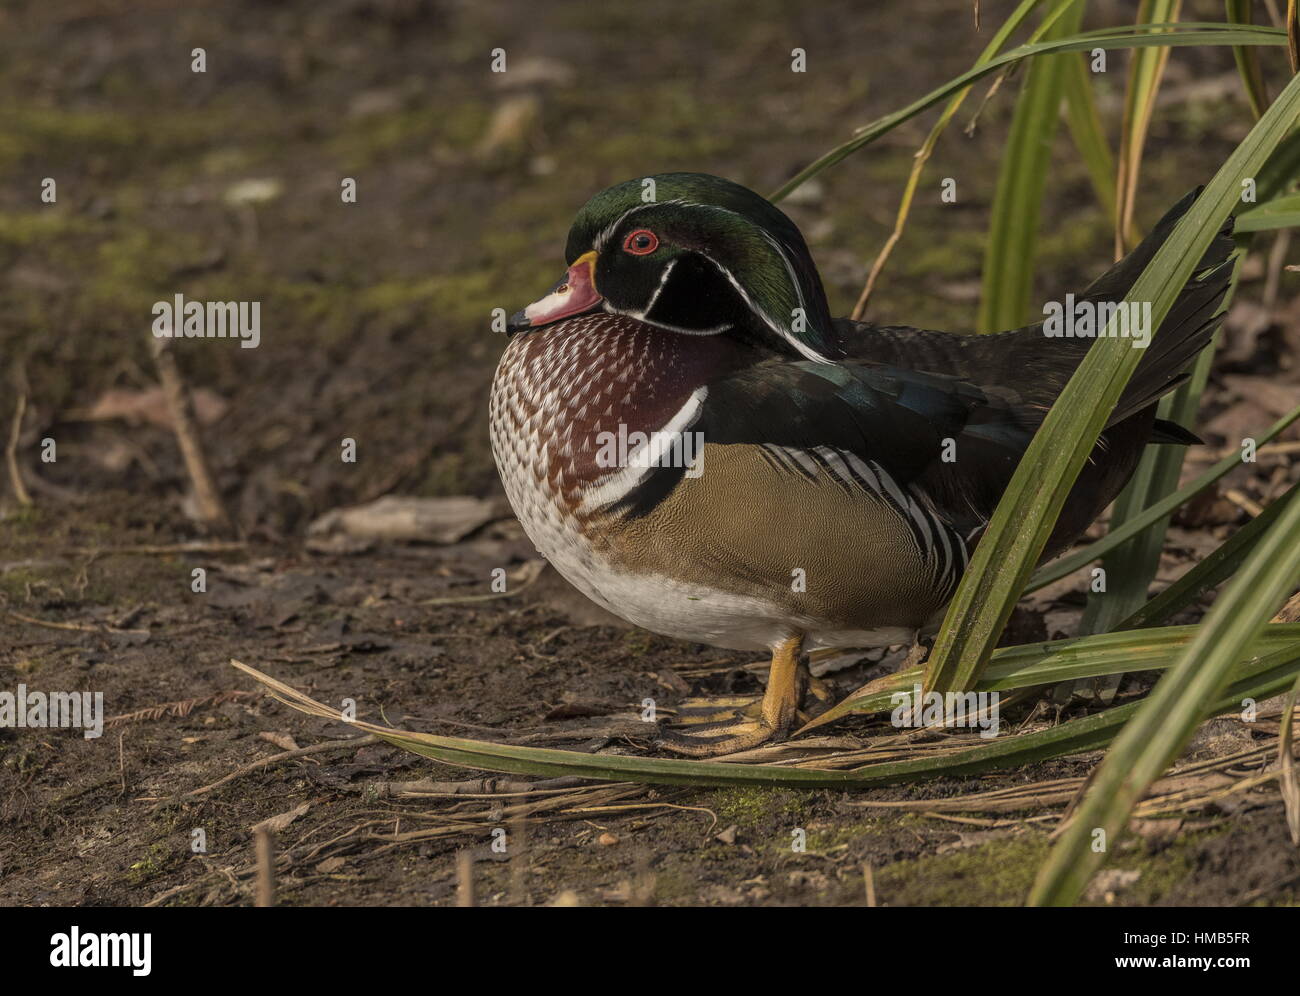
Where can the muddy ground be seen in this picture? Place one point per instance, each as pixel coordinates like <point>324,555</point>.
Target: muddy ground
<point>225,185</point>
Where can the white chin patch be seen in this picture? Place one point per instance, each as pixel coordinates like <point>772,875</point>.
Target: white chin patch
<point>551,305</point>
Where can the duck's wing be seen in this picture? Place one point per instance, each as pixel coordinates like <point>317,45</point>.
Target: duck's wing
<point>1036,367</point>
<point>940,440</point>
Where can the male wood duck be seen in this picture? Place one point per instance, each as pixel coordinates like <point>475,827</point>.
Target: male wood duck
<point>846,469</point>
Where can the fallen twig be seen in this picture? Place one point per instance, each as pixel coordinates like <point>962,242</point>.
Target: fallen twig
<point>1287,780</point>
<point>529,572</point>
<point>11,453</point>
<point>68,626</point>
<point>161,549</point>
<point>465,879</point>
<point>179,709</point>
<point>181,406</point>
<point>252,766</point>
<point>265,838</point>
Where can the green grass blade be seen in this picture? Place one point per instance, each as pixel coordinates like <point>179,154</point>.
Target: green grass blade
<point>1176,706</point>
<point>1259,679</point>
<point>1062,566</point>
<point>1137,36</point>
<point>1009,258</point>
<point>923,154</point>
<point>1252,76</point>
<point>1265,677</point>
<point>1282,212</point>
<point>1146,67</point>
<point>1279,174</point>
<point>1211,571</point>
<point>1019,528</point>
<point>1132,566</point>
<point>1034,664</point>
<point>1086,131</point>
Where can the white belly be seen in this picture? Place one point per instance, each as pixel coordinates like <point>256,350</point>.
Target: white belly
<point>703,615</point>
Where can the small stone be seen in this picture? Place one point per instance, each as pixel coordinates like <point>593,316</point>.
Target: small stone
<point>1110,881</point>
<point>256,191</point>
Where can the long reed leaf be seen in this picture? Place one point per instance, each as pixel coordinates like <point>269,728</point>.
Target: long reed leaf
<point>1008,275</point>
<point>1131,567</point>
<point>1146,67</point>
<point>1047,663</point>
<point>1168,716</point>
<point>1210,571</point>
<point>1062,566</point>
<point>923,154</point>
<point>1247,59</point>
<point>1086,131</point>
<point>1137,36</point>
<point>1259,678</point>
<point>1024,518</point>
<point>1281,212</point>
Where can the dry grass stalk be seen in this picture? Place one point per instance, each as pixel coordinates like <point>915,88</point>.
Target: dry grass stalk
<point>181,406</point>
<point>11,453</point>
<point>265,866</point>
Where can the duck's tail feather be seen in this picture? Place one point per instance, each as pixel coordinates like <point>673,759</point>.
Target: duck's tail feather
<point>1191,322</point>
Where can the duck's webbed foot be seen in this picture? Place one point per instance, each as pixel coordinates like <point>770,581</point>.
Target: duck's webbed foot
<point>775,718</point>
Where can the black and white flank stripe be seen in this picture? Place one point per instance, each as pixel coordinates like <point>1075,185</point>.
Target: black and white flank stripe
<point>935,541</point>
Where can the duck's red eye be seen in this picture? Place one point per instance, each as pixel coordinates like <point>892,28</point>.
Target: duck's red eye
<point>642,242</point>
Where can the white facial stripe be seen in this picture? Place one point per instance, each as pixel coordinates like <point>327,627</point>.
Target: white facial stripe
<point>806,350</point>
<point>663,279</point>
<point>640,316</point>
<point>609,230</point>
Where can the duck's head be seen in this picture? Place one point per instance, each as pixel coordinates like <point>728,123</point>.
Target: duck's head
<point>692,254</point>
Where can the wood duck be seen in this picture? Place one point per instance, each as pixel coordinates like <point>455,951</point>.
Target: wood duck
<point>692,440</point>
